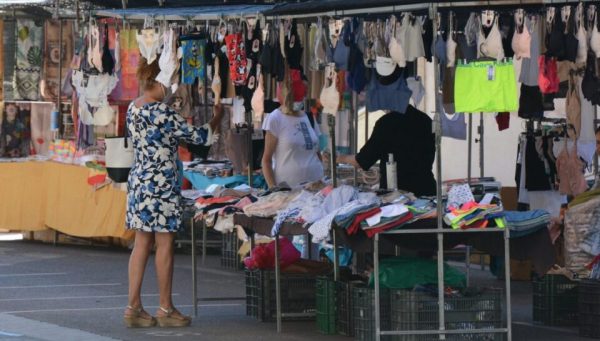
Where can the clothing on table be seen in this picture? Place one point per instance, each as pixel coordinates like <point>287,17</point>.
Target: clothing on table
<point>153,197</point>
<point>528,222</point>
<point>410,139</point>
<point>295,159</point>
<point>29,61</point>
<point>388,92</point>
<point>485,87</point>
<point>529,66</point>
<point>49,85</point>
<point>192,61</point>
<point>269,205</point>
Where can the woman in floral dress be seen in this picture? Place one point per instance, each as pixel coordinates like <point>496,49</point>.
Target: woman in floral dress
<point>153,193</point>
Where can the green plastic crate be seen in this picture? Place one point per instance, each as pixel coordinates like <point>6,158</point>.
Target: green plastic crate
<point>555,300</point>
<point>326,305</point>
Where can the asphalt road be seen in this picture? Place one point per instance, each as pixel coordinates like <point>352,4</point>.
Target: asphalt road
<point>78,293</point>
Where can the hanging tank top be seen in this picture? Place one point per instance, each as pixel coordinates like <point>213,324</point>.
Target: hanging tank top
<point>394,96</point>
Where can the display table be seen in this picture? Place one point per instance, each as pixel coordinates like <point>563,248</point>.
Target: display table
<point>41,195</point>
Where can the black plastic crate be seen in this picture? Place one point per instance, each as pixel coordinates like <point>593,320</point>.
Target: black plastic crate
<point>229,251</point>
<point>298,296</point>
<point>555,301</point>
<point>589,308</point>
<point>412,310</point>
<point>326,305</point>
<point>345,316</point>
<point>363,307</point>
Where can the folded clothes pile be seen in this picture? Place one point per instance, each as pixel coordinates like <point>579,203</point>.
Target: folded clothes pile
<point>527,222</point>
<point>474,215</point>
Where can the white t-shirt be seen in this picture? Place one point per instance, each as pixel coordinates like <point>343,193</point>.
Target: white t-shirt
<point>295,159</point>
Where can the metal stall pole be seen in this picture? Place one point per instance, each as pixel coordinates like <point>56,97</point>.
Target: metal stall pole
<point>194,268</point>
<point>250,151</point>
<point>470,148</point>
<point>204,232</point>
<point>354,126</point>
<point>277,284</point>
<point>332,161</point>
<point>481,149</point>
<point>377,289</point>
<point>440,225</point>
<point>507,283</point>
<point>60,66</point>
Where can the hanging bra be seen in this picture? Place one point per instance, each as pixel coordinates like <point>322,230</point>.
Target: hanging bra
<point>396,50</point>
<point>521,42</point>
<point>451,43</point>
<point>148,42</point>
<point>94,54</point>
<point>595,37</point>
<point>490,46</point>
<point>394,96</point>
<point>330,97</point>
<point>216,82</point>
<point>168,59</point>
<point>258,100</point>
<point>582,47</point>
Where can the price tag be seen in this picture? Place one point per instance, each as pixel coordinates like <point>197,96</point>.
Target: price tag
<point>491,73</point>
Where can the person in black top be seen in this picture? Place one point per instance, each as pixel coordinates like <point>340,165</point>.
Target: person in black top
<point>410,138</point>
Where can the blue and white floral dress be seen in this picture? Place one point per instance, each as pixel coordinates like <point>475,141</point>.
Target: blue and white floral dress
<point>153,191</point>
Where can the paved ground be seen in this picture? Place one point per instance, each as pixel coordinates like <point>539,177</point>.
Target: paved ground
<point>78,293</point>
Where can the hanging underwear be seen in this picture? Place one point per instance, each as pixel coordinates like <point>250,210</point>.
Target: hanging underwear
<point>236,53</point>
<point>9,45</point>
<point>148,42</point>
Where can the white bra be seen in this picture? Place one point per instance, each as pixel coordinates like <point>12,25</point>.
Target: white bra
<point>396,50</point>
<point>330,97</point>
<point>148,42</point>
<point>595,37</point>
<point>582,46</point>
<point>492,45</point>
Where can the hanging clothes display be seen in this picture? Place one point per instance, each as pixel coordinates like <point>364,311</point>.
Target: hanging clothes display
<point>521,42</point>
<point>490,45</point>
<point>192,60</point>
<point>571,172</point>
<point>529,65</point>
<point>236,53</point>
<point>485,87</point>
<point>28,67</point>
<point>388,92</point>
<point>41,133</point>
<point>411,36</point>
<point>168,61</point>
<point>148,42</point>
<point>573,106</point>
<point>54,54</point>
<point>2,60</point>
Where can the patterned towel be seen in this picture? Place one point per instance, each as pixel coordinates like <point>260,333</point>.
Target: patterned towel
<point>28,70</point>
<point>8,58</point>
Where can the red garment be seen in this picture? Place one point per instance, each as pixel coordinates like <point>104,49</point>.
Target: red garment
<point>353,228</point>
<point>208,201</point>
<point>236,53</point>
<point>392,224</point>
<point>548,76</point>
<point>503,120</point>
<point>298,86</point>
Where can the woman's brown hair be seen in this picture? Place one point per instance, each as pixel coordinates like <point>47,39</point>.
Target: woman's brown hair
<point>146,73</point>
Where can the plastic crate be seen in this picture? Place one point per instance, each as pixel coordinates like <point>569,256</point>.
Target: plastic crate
<point>555,301</point>
<point>326,305</point>
<point>229,251</point>
<point>363,307</point>
<point>411,310</point>
<point>345,316</point>
<point>298,299</point>
<point>589,308</point>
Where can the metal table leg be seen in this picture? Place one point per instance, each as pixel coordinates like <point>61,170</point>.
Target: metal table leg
<point>203,242</point>
<point>377,289</point>
<point>468,264</point>
<point>277,284</point>
<point>507,282</point>
<point>194,270</point>
<point>336,258</point>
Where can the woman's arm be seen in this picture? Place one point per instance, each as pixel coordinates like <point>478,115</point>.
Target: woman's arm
<point>195,135</point>
<point>267,159</point>
<point>349,159</point>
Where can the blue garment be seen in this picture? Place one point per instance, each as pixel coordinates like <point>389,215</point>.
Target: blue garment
<point>153,190</point>
<point>526,222</point>
<point>341,52</point>
<point>394,97</point>
<point>192,61</point>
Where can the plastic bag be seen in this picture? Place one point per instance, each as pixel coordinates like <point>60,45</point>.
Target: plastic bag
<point>263,256</point>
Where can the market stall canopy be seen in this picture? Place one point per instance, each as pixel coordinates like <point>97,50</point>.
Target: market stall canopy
<point>183,13</point>
<point>169,3</point>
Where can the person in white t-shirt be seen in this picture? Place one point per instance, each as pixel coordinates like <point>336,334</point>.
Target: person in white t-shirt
<point>291,143</point>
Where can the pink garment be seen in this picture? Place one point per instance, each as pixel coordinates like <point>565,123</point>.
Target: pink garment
<point>571,172</point>
<point>128,87</point>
